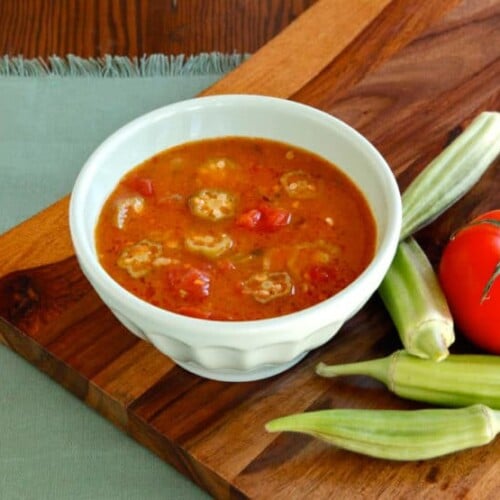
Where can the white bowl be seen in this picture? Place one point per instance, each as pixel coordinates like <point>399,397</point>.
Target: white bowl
<point>240,350</point>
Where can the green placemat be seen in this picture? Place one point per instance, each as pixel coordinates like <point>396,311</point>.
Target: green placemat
<point>52,116</point>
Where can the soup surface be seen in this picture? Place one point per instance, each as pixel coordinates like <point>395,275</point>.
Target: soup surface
<point>235,229</point>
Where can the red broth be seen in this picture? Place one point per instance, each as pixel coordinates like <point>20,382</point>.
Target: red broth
<point>235,229</point>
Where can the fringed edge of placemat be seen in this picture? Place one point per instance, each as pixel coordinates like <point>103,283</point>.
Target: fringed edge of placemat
<point>121,66</point>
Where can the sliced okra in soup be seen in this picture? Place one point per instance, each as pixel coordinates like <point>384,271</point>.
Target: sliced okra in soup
<point>141,257</point>
<point>299,184</point>
<point>126,207</point>
<point>212,204</point>
<point>208,245</point>
<point>265,286</point>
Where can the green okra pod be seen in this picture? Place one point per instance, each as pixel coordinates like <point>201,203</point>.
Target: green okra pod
<point>397,434</point>
<point>459,380</point>
<point>413,297</point>
<point>452,173</point>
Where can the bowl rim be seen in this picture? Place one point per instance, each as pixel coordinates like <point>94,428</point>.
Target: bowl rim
<point>125,300</point>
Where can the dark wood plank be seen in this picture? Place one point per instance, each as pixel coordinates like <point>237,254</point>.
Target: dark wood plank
<point>90,28</point>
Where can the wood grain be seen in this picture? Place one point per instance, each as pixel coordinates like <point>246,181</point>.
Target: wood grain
<point>310,36</point>
<point>429,79</point>
<point>410,79</point>
<point>388,34</point>
<point>90,28</point>
<point>54,231</point>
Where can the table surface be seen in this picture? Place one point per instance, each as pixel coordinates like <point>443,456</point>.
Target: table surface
<point>37,28</point>
<point>407,110</point>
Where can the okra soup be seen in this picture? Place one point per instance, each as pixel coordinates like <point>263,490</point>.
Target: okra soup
<point>235,229</point>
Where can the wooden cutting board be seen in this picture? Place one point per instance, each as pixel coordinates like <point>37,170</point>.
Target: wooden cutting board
<point>409,75</point>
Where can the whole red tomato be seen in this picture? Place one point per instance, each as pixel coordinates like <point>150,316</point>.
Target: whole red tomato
<point>469,272</point>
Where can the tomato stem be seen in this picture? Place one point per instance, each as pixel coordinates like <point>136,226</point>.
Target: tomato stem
<point>489,284</point>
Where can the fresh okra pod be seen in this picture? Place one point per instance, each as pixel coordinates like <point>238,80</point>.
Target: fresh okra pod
<point>413,296</point>
<point>459,380</point>
<point>452,173</point>
<point>397,434</point>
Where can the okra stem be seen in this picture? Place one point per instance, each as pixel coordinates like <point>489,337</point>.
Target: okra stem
<point>397,434</point>
<point>459,380</point>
